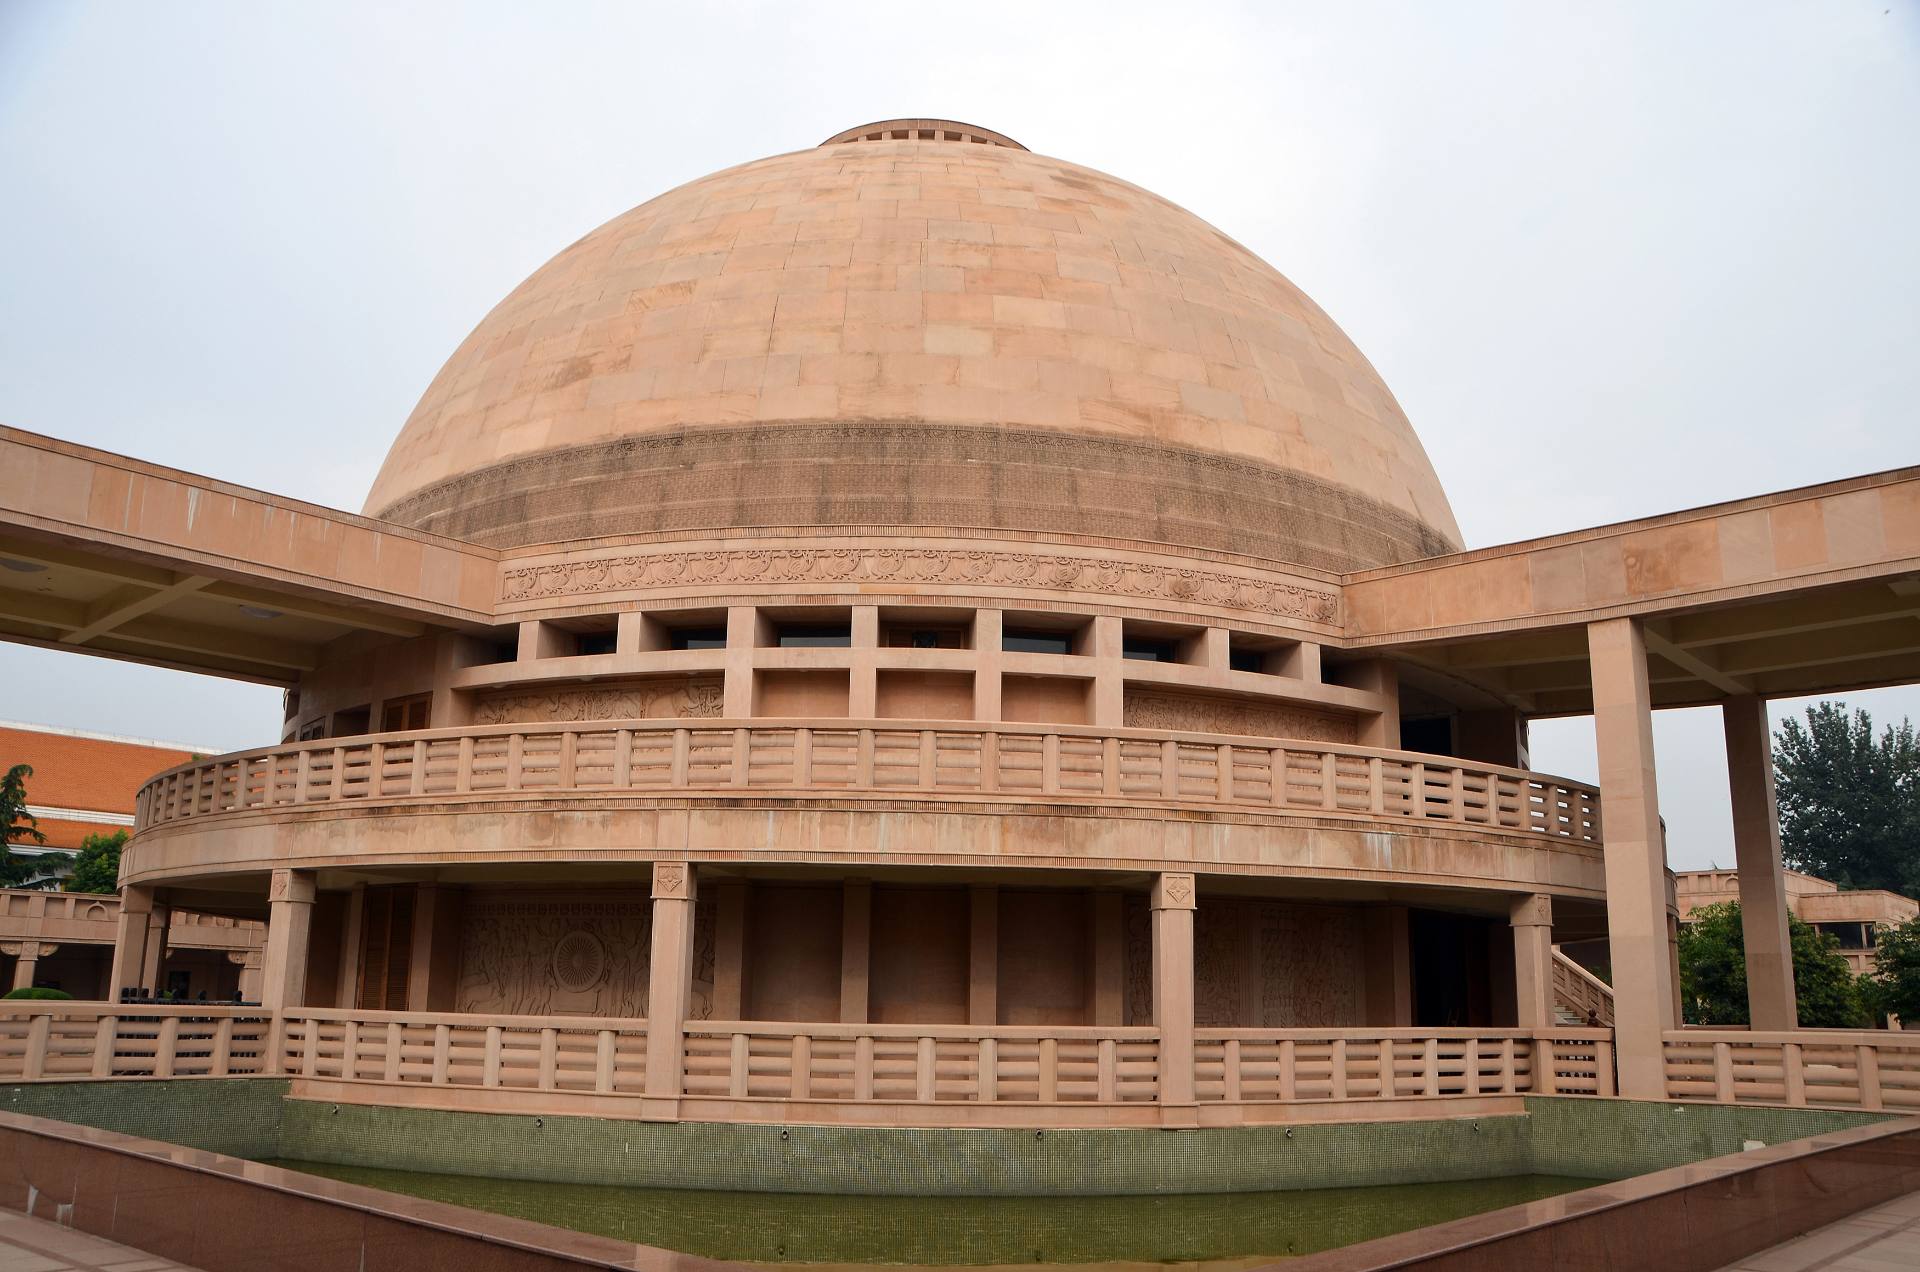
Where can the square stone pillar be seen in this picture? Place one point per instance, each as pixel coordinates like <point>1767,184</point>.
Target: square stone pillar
<point>1172,903</point>
<point>1389,967</point>
<point>856,950</point>
<point>669,988</point>
<point>26,955</point>
<point>1107,940</point>
<point>1107,707</point>
<point>1635,855</point>
<point>1756,846</point>
<point>153,975</point>
<point>353,942</point>
<point>983,955</point>
<point>730,951</point>
<point>130,941</point>
<point>1532,920</point>
<point>289,923</point>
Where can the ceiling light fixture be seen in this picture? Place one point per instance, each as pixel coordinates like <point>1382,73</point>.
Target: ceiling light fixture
<point>259,611</point>
<point>22,567</point>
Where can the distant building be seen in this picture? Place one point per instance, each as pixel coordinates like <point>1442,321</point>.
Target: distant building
<point>1846,914</point>
<point>83,783</point>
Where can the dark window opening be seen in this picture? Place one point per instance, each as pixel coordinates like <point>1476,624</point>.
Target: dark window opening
<point>1031,642</point>
<point>406,713</point>
<point>1247,659</point>
<point>815,636</point>
<point>1148,650</point>
<point>698,638</point>
<point>596,642</point>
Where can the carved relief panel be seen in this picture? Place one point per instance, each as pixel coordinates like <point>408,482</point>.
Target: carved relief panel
<point>1276,965</point>
<point>556,954</point>
<point>1200,713</point>
<point>640,700</point>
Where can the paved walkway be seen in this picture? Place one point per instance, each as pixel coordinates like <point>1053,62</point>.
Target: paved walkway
<point>1879,1240</point>
<point>34,1245</point>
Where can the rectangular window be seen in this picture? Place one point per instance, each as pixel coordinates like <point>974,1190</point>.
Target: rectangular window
<point>406,713</point>
<point>1247,659</point>
<point>697,638</point>
<point>595,643</point>
<point>1031,642</point>
<point>816,636</point>
<point>1141,650</point>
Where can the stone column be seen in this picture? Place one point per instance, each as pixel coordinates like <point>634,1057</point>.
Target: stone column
<point>26,956</point>
<point>1389,967</point>
<point>669,988</point>
<point>743,631</point>
<point>1643,997</point>
<point>856,949</point>
<point>1532,920</point>
<point>1107,941</point>
<point>1108,707</point>
<point>1382,679</point>
<point>983,955</point>
<point>1756,847</point>
<point>863,663</point>
<point>353,942</point>
<point>289,923</point>
<point>159,927</point>
<point>248,961</point>
<point>989,635</point>
<point>1172,903</point>
<point>730,952</point>
<point>130,941</point>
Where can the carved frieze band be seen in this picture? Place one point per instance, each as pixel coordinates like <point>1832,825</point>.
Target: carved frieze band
<point>980,567</point>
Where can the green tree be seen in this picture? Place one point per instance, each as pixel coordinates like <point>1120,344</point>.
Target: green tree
<point>1896,963</point>
<point>1713,973</point>
<point>1849,802</point>
<point>17,826</point>
<point>97,868</point>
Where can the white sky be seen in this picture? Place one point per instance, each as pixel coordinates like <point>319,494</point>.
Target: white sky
<point>1614,260</point>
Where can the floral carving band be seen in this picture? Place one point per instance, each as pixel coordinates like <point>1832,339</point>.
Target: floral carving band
<point>1049,571</point>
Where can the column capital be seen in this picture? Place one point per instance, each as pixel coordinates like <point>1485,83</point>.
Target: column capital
<point>136,899</point>
<point>1535,910</point>
<point>294,887</point>
<point>1172,892</point>
<point>673,881</point>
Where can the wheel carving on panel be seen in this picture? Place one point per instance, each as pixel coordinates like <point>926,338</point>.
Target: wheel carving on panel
<point>579,961</point>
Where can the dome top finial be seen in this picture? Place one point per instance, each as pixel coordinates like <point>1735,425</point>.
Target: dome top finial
<point>923,130</point>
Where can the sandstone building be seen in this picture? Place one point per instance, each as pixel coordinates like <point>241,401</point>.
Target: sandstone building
<point>917,631</point>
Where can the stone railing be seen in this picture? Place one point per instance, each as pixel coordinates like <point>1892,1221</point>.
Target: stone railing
<point>1288,1065</point>
<point>86,917</point>
<point>42,1040</point>
<point>1840,1068</point>
<point>520,1053</point>
<point>1580,993</point>
<point>921,1064</point>
<point>890,759</point>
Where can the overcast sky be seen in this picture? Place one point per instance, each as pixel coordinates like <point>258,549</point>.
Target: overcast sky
<point>1614,260</point>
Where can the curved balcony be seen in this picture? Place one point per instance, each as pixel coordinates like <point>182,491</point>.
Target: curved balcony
<point>1044,764</point>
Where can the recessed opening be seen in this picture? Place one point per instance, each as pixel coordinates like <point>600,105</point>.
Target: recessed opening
<point>1162,642</point>
<point>399,714</point>
<point>697,638</point>
<point>1040,633</point>
<point>353,721</point>
<point>1263,655</point>
<point>1045,699</point>
<point>930,628</point>
<point>801,693</point>
<point>923,695</point>
<point>813,635</point>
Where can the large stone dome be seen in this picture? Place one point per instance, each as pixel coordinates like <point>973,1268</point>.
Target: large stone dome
<point>917,325</point>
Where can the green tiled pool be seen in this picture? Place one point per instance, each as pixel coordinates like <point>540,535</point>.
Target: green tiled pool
<point>1217,1228</point>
